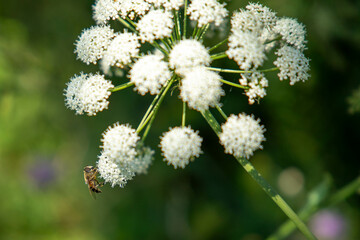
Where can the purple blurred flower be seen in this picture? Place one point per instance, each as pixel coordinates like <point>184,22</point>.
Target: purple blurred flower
<point>42,172</point>
<point>328,225</point>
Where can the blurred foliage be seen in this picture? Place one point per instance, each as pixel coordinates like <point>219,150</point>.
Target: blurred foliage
<point>44,146</point>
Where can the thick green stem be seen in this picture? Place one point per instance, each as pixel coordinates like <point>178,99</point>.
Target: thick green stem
<point>183,115</point>
<point>185,19</point>
<point>249,168</point>
<point>316,200</point>
<point>121,87</point>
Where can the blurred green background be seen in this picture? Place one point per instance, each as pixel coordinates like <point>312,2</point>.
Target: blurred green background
<point>313,129</point>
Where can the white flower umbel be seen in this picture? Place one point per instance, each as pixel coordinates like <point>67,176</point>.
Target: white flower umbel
<point>241,135</point>
<point>112,172</point>
<point>88,93</point>
<point>246,48</point>
<point>132,8</point>
<point>180,145</point>
<point>293,64</point>
<point>207,11</point>
<point>121,50</point>
<point>104,10</point>
<point>156,24</point>
<point>167,4</point>
<point>119,143</point>
<point>257,83</point>
<point>201,89</point>
<point>149,74</point>
<point>92,43</point>
<point>188,54</point>
<point>292,32</point>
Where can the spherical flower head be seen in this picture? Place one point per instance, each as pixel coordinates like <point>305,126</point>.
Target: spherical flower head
<point>104,10</point>
<point>132,8</point>
<point>257,83</point>
<point>180,145</point>
<point>72,100</point>
<point>293,64</point>
<point>167,4</point>
<point>241,135</point>
<point>121,50</point>
<point>201,89</point>
<point>156,24</point>
<point>188,54</point>
<point>119,143</point>
<point>111,171</point>
<point>207,11</point>
<point>291,31</point>
<point>149,74</point>
<point>246,49</point>
<point>92,43</point>
<point>88,93</point>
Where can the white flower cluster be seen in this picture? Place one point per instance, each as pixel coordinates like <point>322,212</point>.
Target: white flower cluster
<point>257,83</point>
<point>180,145</point>
<point>201,89</point>
<point>87,93</point>
<point>120,159</point>
<point>180,62</point>
<point>207,11</point>
<point>149,74</point>
<point>242,135</point>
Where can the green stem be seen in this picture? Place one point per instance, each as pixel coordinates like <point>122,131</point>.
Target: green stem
<point>121,87</point>
<point>185,19</point>
<point>156,45</point>
<point>218,56</point>
<point>183,115</point>
<point>150,108</point>
<point>203,31</point>
<point>127,24</point>
<point>152,115</point>
<point>195,31</point>
<point>240,71</point>
<point>249,168</point>
<point>177,25</point>
<point>316,201</point>
<point>218,45</point>
<point>221,111</point>
<point>234,84</point>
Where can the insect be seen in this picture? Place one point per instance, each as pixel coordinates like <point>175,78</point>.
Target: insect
<point>90,173</point>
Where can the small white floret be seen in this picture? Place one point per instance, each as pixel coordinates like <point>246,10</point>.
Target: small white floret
<point>180,145</point>
<point>257,83</point>
<point>242,135</point>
